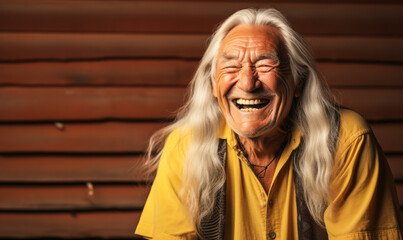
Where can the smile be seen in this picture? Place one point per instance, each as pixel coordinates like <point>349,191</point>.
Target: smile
<point>250,105</point>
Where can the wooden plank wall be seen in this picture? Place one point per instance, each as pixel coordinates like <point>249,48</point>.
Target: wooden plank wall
<point>83,84</point>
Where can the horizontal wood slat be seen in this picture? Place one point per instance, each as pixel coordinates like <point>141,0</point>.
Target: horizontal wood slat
<point>84,84</point>
<point>36,46</point>
<point>173,73</point>
<point>79,169</point>
<point>296,1</point>
<point>356,48</point>
<point>89,103</point>
<point>191,17</point>
<point>77,137</point>
<point>67,198</point>
<point>86,103</point>
<point>396,166</point>
<point>71,169</point>
<point>77,198</point>
<point>90,73</point>
<point>121,137</point>
<point>399,189</point>
<point>361,74</point>
<point>389,136</point>
<point>63,198</point>
<point>373,104</point>
<point>104,225</point>
<point>67,46</point>
<point>69,225</point>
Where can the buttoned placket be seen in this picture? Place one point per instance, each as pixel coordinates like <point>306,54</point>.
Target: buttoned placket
<point>273,228</point>
<point>269,209</point>
<point>272,225</point>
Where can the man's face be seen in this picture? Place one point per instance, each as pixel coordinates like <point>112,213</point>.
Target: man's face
<point>253,83</point>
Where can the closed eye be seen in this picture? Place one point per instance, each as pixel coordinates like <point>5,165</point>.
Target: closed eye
<point>232,69</point>
<point>265,68</point>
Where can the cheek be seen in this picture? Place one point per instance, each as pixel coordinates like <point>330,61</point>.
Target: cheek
<point>284,85</point>
<point>272,82</point>
<point>224,83</point>
<point>286,90</point>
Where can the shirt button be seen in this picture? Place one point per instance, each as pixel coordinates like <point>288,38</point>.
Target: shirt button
<point>271,203</point>
<point>272,235</point>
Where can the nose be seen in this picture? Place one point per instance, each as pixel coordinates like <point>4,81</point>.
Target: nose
<point>248,80</point>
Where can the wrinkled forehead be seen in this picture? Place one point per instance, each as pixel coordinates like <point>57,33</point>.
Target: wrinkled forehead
<point>256,39</point>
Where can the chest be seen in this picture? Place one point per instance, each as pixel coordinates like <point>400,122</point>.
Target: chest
<point>259,207</point>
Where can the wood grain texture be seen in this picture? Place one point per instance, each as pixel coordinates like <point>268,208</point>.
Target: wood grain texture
<point>121,137</point>
<point>71,168</point>
<point>70,198</point>
<point>87,46</point>
<point>67,198</point>
<point>65,46</point>
<point>396,166</point>
<point>389,136</point>
<point>293,1</point>
<point>84,225</point>
<point>85,83</point>
<point>191,17</point>
<point>399,189</point>
<point>94,168</point>
<point>173,73</point>
<point>373,104</point>
<point>104,73</point>
<point>356,48</point>
<point>69,225</point>
<point>89,103</point>
<point>77,137</point>
<point>361,75</point>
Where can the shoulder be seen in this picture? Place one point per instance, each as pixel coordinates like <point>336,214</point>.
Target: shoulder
<point>174,151</point>
<point>352,126</point>
<point>177,138</point>
<point>356,141</point>
<point>361,185</point>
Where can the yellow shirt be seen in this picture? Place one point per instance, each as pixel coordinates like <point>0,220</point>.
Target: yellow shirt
<point>363,197</point>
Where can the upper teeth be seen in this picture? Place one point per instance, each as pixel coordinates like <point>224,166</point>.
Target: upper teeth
<point>249,102</point>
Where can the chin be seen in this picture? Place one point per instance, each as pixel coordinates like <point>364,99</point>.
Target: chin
<point>253,133</point>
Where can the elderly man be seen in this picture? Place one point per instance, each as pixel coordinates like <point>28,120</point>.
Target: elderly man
<point>262,151</point>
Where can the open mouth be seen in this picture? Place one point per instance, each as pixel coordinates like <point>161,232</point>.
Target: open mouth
<point>250,105</point>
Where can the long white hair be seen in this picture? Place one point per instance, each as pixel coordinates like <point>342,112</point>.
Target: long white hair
<point>314,113</point>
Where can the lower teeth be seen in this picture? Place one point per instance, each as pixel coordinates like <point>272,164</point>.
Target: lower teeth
<point>248,109</point>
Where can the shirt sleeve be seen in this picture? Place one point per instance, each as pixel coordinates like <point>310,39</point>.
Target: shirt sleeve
<point>164,215</point>
<point>363,202</point>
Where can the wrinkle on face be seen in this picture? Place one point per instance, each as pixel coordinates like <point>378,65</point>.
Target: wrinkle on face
<point>250,66</point>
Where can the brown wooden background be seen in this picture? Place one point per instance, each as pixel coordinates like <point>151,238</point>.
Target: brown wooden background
<point>83,84</point>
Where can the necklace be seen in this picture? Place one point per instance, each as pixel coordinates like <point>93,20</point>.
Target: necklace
<point>260,172</point>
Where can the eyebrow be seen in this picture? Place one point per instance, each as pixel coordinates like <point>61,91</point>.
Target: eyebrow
<point>272,56</point>
<point>227,56</point>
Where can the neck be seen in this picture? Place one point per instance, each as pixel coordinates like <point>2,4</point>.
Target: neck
<point>260,149</point>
